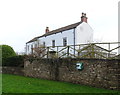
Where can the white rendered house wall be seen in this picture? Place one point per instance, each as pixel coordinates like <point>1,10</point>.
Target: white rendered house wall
<point>58,37</point>
<point>83,34</point>
<point>29,47</point>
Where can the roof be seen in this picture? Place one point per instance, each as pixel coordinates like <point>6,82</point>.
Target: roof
<point>72,26</point>
<point>34,39</point>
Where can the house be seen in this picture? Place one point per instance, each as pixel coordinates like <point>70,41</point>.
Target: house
<point>73,34</point>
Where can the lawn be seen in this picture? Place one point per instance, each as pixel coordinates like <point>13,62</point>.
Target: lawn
<point>20,84</point>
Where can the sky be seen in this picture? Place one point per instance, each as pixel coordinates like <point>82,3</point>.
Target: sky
<point>22,20</point>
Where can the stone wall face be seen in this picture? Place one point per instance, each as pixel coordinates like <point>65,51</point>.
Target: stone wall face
<point>96,72</point>
<point>13,70</point>
<point>39,69</point>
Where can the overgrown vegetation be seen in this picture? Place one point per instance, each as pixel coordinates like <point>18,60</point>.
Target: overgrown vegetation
<point>10,58</point>
<point>20,84</point>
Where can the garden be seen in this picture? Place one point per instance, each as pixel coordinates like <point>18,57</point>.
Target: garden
<point>21,84</point>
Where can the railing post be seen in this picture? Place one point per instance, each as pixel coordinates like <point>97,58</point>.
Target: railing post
<point>74,50</point>
<point>78,51</point>
<point>108,50</point>
<point>79,47</point>
<point>93,50</point>
<point>47,52</point>
<point>57,51</point>
<point>68,51</point>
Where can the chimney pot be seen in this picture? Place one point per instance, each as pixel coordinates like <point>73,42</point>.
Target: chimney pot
<point>85,14</point>
<point>47,30</point>
<point>83,17</point>
<point>82,14</point>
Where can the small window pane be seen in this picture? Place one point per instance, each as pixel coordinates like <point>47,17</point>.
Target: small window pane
<point>43,44</point>
<point>31,49</point>
<point>28,48</point>
<point>53,43</point>
<point>35,45</point>
<point>64,41</point>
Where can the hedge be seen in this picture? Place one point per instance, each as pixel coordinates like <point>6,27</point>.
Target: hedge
<point>13,61</point>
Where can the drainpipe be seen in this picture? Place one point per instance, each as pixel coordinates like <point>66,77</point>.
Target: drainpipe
<point>74,40</point>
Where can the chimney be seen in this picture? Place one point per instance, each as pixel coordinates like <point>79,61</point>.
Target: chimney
<point>84,18</point>
<point>47,30</point>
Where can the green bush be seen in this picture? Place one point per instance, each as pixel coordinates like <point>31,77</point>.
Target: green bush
<point>14,61</point>
<point>9,57</point>
<point>7,51</point>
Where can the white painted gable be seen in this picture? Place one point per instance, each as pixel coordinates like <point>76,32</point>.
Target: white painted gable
<point>84,34</point>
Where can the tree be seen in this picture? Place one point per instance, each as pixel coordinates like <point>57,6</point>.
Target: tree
<point>7,51</point>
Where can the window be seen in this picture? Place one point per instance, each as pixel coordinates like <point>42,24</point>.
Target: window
<point>28,48</point>
<point>35,45</point>
<point>38,43</point>
<point>43,44</point>
<point>65,41</point>
<point>53,43</point>
<point>31,49</point>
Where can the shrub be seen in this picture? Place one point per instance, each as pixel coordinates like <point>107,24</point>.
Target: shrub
<point>14,61</point>
<point>7,51</point>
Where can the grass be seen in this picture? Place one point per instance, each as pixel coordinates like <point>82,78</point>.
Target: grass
<point>20,84</point>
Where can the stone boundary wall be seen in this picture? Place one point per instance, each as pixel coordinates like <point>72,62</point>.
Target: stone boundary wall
<point>13,70</point>
<point>102,73</point>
